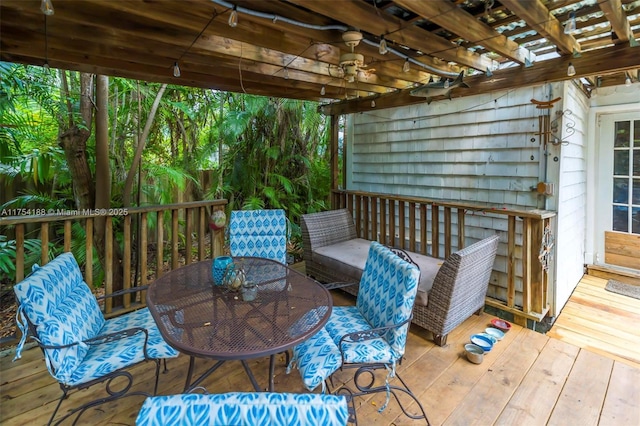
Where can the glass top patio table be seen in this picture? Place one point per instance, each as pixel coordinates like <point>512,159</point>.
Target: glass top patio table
<point>204,320</point>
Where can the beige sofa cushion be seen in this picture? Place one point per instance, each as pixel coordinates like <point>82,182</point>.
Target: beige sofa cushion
<point>347,259</point>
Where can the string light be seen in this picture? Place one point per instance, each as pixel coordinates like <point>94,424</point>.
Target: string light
<point>373,103</point>
<point>323,90</point>
<point>233,17</point>
<point>176,70</point>
<point>406,67</point>
<point>47,7</point>
<point>571,70</point>
<point>627,81</point>
<point>446,84</point>
<point>383,49</point>
<point>570,25</point>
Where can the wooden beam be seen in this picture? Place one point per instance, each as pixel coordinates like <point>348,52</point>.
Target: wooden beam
<point>538,17</point>
<point>457,21</point>
<point>618,19</point>
<point>616,59</point>
<point>368,18</point>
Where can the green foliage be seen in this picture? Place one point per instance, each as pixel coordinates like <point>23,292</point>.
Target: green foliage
<point>263,152</point>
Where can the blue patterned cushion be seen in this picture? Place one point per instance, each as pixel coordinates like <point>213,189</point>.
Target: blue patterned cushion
<point>64,311</point>
<point>387,292</point>
<point>108,357</point>
<point>347,319</point>
<point>259,233</point>
<point>251,409</point>
<point>317,358</point>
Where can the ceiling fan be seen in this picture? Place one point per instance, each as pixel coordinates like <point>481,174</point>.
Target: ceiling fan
<point>352,63</point>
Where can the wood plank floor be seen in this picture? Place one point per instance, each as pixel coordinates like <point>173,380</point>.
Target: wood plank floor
<point>601,321</point>
<point>527,379</point>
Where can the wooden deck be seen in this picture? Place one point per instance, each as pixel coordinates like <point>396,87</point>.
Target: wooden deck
<point>600,321</point>
<point>527,379</point>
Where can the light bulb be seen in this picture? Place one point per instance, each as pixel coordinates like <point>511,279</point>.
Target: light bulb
<point>488,73</point>
<point>406,67</point>
<point>571,70</point>
<point>446,84</point>
<point>47,7</point>
<point>286,73</point>
<point>570,25</point>
<point>627,81</point>
<point>233,18</point>
<point>176,70</point>
<point>382,49</point>
<point>46,66</point>
<point>373,103</point>
<point>323,90</point>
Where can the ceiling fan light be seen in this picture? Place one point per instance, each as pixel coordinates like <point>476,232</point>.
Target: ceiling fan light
<point>176,70</point>
<point>406,67</point>
<point>571,70</point>
<point>383,49</point>
<point>570,25</point>
<point>233,18</point>
<point>47,7</point>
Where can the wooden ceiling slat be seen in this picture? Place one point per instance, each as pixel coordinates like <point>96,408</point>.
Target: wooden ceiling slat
<point>538,17</point>
<point>456,20</point>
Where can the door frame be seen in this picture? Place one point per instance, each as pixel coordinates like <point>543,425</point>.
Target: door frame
<point>599,169</point>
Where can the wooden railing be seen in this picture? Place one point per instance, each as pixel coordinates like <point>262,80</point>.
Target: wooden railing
<point>187,229</point>
<point>437,228</point>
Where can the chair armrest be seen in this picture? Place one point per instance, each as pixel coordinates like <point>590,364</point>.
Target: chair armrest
<point>122,292</point>
<point>333,286</point>
<point>105,338</point>
<point>364,335</point>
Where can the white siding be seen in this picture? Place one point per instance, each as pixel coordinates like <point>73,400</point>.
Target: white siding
<point>572,196</point>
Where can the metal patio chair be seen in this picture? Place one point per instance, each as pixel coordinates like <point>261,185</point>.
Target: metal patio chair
<point>369,336</point>
<point>80,347</point>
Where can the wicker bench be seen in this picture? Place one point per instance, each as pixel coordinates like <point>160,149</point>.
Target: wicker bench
<point>450,290</point>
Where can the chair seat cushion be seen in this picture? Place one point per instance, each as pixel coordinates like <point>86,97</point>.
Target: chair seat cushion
<point>317,358</point>
<point>237,408</point>
<point>106,358</point>
<point>347,319</point>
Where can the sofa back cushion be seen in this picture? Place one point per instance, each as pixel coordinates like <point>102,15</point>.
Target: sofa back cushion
<point>387,292</point>
<point>259,233</point>
<point>63,310</point>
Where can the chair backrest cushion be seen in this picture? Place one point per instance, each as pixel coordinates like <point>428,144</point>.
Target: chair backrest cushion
<point>387,292</point>
<point>61,306</point>
<point>237,408</point>
<point>259,233</point>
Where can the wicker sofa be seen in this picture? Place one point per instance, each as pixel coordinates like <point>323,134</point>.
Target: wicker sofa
<point>450,290</point>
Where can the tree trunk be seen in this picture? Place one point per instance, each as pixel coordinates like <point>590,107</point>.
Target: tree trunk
<point>74,143</point>
<point>128,184</point>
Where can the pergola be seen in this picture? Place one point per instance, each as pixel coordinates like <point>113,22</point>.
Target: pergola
<point>298,48</point>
